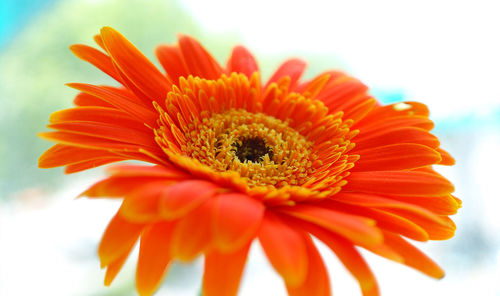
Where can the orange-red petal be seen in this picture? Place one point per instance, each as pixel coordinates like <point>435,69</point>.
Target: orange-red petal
<point>223,272</point>
<point>118,238</point>
<point>285,248</point>
<point>237,218</point>
<point>242,61</point>
<point>316,282</point>
<point>134,65</point>
<point>179,199</point>
<point>154,257</point>
<point>409,183</point>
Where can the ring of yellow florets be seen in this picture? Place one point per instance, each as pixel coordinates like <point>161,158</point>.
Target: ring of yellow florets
<point>261,149</point>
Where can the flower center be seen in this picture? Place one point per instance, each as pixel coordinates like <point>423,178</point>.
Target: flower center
<point>262,149</point>
<point>252,149</point>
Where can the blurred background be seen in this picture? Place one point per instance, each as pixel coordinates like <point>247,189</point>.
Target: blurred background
<point>443,53</point>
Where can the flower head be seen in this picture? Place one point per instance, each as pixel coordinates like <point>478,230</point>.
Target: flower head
<point>237,160</point>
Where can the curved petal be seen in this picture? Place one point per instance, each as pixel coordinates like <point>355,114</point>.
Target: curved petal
<point>242,61</point>
<point>118,238</point>
<point>355,228</point>
<point>142,203</point>
<point>409,183</point>
<point>223,272</point>
<point>193,233</point>
<point>412,256</point>
<point>114,267</point>
<point>134,65</point>
<point>293,68</point>
<point>237,218</point>
<point>285,248</point>
<point>154,257</point>
<point>170,57</point>
<point>396,157</point>
<point>317,282</point>
<point>96,58</point>
<point>199,62</point>
<point>181,198</point>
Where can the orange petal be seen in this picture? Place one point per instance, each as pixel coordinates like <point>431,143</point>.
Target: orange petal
<point>108,131</point>
<point>118,100</point>
<point>142,204</point>
<point>412,256</point>
<point>351,259</point>
<point>193,233</point>
<point>242,61</point>
<point>59,155</point>
<point>285,248</point>
<point>354,228</point>
<point>293,68</point>
<point>402,183</point>
<point>447,159</point>
<point>181,198</point>
<point>397,135</point>
<point>394,110</point>
<point>223,272</point>
<point>384,220</point>
<point>317,282</point>
<point>98,114</point>
<point>237,218</point>
<point>396,157</point>
<point>90,164</point>
<point>134,65</point>
<point>130,170</point>
<point>370,127</point>
<point>83,99</point>
<point>171,59</point>
<point>90,142</point>
<point>96,58</point>
<point>199,62</point>
<point>114,267</point>
<point>118,238</point>
<point>154,257</point>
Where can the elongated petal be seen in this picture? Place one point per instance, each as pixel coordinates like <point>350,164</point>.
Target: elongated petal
<point>59,155</point>
<point>181,198</point>
<point>237,218</point>
<point>396,157</point>
<point>242,61</point>
<point>134,65</point>
<point>293,68</point>
<point>98,114</point>
<point>285,248</point>
<point>115,266</point>
<point>119,101</point>
<point>108,131</point>
<point>120,236</point>
<point>223,272</point>
<point>154,257</point>
<point>397,135</point>
<point>170,57</point>
<point>317,281</point>
<point>142,203</point>
<point>193,233</point>
<point>355,228</point>
<point>409,183</point>
<point>198,60</point>
<point>412,256</point>
<point>90,164</point>
<point>96,58</point>
<point>351,259</point>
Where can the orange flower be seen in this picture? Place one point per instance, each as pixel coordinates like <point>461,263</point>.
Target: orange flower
<point>235,160</point>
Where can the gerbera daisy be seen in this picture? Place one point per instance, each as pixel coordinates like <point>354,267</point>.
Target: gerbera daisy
<point>236,159</point>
